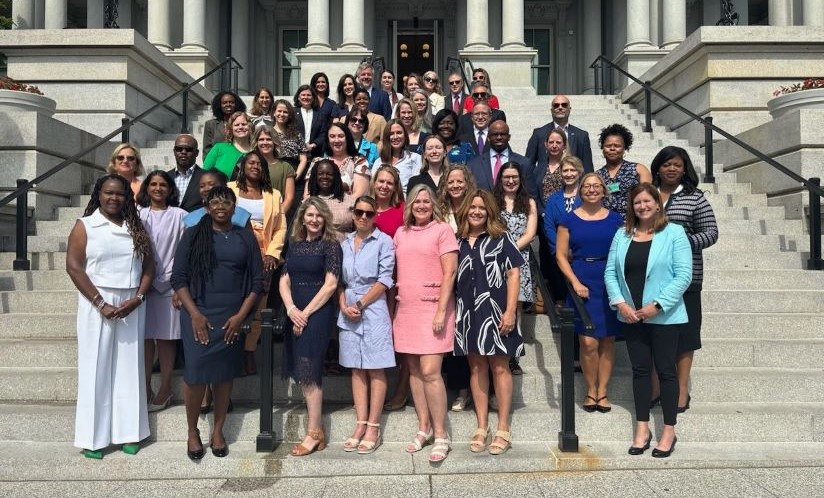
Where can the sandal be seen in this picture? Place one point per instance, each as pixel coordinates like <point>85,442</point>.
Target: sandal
<point>478,445</point>
<point>352,443</point>
<point>318,435</point>
<point>600,408</point>
<point>496,448</point>
<point>366,447</point>
<point>590,408</point>
<point>440,450</point>
<point>417,443</point>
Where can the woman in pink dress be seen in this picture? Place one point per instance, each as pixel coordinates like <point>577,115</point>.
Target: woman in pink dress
<point>426,252</point>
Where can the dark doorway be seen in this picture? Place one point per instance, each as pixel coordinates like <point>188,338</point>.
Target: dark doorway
<point>415,53</point>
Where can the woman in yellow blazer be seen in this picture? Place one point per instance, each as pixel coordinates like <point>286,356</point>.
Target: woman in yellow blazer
<point>255,194</point>
<point>648,269</point>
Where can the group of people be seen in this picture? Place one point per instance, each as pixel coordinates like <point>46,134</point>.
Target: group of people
<point>407,249</point>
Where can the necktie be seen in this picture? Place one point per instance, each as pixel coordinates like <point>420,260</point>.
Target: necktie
<point>497,168</point>
<point>480,141</point>
<point>456,104</point>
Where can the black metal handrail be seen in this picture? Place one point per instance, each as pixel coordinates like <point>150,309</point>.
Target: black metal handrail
<point>21,261</point>
<point>813,184</point>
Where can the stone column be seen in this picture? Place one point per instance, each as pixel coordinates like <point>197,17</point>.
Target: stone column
<point>477,23</point>
<point>55,14</point>
<point>194,25</point>
<point>512,34</point>
<point>22,13</point>
<point>779,12</point>
<point>637,24</point>
<point>317,31</point>
<point>675,23</point>
<point>813,12</point>
<point>94,14</point>
<point>592,40</point>
<point>158,31</point>
<point>240,41</point>
<point>353,24</point>
<point>655,38</point>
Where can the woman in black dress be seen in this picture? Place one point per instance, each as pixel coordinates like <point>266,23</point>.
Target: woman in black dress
<point>309,280</point>
<point>218,276</point>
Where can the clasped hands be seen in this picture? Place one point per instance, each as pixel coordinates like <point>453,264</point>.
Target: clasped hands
<point>631,315</point>
<point>231,329</point>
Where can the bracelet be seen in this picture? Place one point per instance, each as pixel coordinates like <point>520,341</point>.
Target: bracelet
<point>97,299</point>
<point>290,308</point>
<point>101,305</point>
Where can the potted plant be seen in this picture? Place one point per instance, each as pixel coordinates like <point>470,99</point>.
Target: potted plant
<point>806,94</point>
<point>15,95</point>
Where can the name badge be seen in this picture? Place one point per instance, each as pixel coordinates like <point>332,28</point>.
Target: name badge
<point>614,187</point>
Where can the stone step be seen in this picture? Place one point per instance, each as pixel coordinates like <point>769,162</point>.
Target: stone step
<point>703,422</point>
<point>770,260</point>
<point>762,279</point>
<point>38,260</point>
<point>716,384</point>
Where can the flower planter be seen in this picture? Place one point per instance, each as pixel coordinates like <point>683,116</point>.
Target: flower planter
<point>804,99</point>
<point>26,101</point>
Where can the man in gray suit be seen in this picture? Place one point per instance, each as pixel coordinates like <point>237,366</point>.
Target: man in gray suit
<point>577,138</point>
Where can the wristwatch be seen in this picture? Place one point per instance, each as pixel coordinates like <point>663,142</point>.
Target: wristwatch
<point>359,305</point>
<point>140,296</point>
<point>658,306</point>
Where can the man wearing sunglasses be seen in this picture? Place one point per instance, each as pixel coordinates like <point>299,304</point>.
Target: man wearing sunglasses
<point>480,95</point>
<point>187,173</point>
<point>577,138</point>
<point>456,97</point>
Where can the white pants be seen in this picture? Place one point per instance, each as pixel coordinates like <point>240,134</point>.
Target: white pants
<point>111,381</point>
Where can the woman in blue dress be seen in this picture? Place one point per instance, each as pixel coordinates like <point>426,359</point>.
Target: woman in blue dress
<point>365,326</point>
<point>583,241</point>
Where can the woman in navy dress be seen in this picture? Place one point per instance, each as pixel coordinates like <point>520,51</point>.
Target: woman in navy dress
<point>583,241</point>
<point>218,276</point>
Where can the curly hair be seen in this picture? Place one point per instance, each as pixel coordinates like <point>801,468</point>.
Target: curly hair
<point>243,182</point>
<point>290,130</point>
<point>337,181</point>
<point>172,198</point>
<point>138,168</point>
<point>618,130</point>
<point>217,112</point>
<point>298,227</point>
<point>521,204</point>
<point>141,239</point>
<point>202,257</point>
<point>436,124</point>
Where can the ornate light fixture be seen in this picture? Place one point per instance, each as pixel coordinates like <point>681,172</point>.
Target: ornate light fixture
<point>729,17</point>
<point>110,14</point>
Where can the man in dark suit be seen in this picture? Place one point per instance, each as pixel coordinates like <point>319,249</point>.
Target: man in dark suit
<point>378,99</point>
<point>480,94</point>
<point>577,138</point>
<point>187,174</point>
<point>454,101</point>
<point>485,167</point>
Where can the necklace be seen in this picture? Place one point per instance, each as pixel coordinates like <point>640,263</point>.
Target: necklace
<point>225,234</point>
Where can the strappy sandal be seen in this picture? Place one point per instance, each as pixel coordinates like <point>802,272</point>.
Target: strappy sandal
<point>440,450</point>
<point>477,446</point>
<point>367,447</point>
<point>496,448</point>
<point>600,408</point>
<point>318,435</point>
<point>352,443</point>
<point>590,408</point>
<point>417,443</point>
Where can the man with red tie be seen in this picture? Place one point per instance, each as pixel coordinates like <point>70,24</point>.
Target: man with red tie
<point>456,97</point>
<point>485,167</point>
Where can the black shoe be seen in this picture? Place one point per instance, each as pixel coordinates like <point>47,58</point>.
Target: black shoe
<point>590,408</point>
<point>514,367</point>
<point>654,402</point>
<point>601,408</point>
<point>656,453</point>
<point>196,455</point>
<point>219,452</point>
<point>682,409</point>
<point>635,450</point>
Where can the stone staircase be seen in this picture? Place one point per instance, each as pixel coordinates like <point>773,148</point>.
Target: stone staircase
<point>756,388</point>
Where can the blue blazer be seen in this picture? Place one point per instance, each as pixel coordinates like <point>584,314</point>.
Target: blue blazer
<point>669,273</point>
<point>554,210</point>
<point>481,169</point>
<point>379,103</point>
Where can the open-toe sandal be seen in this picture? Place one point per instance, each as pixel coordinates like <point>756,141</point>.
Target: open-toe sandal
<point>420,440</point>
<point>352,443</point>
<point>366,447</point>
<point>439,450</point>
<point>478,445</point>
<point>590,408</point>
<point>496,448</point>
<point>318,435</point>
<point>601,408</point>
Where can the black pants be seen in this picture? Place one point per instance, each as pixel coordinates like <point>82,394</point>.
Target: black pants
<point>648,343</point>
<point>456,369</point>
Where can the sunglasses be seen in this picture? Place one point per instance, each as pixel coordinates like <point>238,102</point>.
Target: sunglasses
<point>125,158</point>
<point>560,105</point>
<point>359,213</point>
<point>183,148</point>
<point>480,95</point>
<point>430,80</point>
<point>356,121</point>
<point>453,83</point>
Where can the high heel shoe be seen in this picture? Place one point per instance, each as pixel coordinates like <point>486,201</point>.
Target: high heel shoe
<point>318,435</point>
<point>636,450</point>
<point>218,452</point>
<point>656,453</point>
<point>160,406</point>
<point>196,455</point>
<point>682,409</point>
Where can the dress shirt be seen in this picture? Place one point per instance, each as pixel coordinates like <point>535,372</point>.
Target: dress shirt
<point>182,179</point>
<point>307,115</point>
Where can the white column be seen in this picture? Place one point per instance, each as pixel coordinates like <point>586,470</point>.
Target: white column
<point>39,14</point>
<point>353,24</point>
<point>22,14</point>
<point>159,27</point>
<point>194,25</point>
<point>512,34</point>
<point>94,14</point>
<point>675,23</point>
<point>477,23</point>
<point>317,31</point>
<point>654,23</point>
<point>813,12</point>
<point>637,23</point>
<point>779,13</point>
<point>592,41</point>
<point>55,14</point>
<point>240,41</point>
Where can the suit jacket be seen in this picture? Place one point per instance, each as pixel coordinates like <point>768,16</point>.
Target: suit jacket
<point>481,168</point>
<point>578,141</point>
<point>669,273</point>
<point>465,120</point>
<point>447,102</point>
<point>379,103</point>
<point>190,200</point>
<point>317,130</point>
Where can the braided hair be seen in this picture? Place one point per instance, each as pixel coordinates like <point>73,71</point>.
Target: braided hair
<point>202,257</point>
<point>142,242</point>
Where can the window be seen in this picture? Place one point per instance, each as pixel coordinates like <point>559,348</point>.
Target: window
<point>539,39</point>
<point>291,40</point>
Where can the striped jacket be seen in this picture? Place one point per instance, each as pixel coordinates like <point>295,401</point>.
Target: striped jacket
<point>694,213</point>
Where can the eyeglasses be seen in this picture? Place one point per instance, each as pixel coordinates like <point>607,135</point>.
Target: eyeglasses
<point>225,203</point>
<point>479,77</point>
<point>480,95</point>
<point>359,213</point>
<point>356,121</point>
<point>456,82</point>
<point>511,178</point>
<point>125,158</point>
<point>592,186</point>
<point>560,105</point>
<point>430,80</point>
<point>184,148</point>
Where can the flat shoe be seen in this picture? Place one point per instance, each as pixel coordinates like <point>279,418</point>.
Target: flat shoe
<point>196,455</point>
<point>498,448</point>
<point>440,450</point>
<point>602,409</point>
<point>131,448</point>
<point>93,454</point>
<point>656,453</point>
<point>636,450</point>
<point>590,408</point>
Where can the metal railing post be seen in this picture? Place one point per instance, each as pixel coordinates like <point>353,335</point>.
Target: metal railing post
<point>815,262</point>
<point>604,70</point>
<point>266,437</point>
<point>21,260</point>
<point>567,439</point>
<point>595,79</point>
<point>184,115</point>
<point>124,135</point>
<point>235,74</point>
<point>648,108</point>
<point>709,177</point>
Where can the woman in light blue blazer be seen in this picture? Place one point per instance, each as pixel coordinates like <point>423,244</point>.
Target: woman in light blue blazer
<point>648,269</point>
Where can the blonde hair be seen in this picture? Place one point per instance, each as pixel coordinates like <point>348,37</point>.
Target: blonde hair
<point>425,161</point>
<point>607,193</point>
<point>299,229</point>
<point>443,195</point>
<point>138,168</point>
<point>494,226</point>
<point>408,217</point>
<point>418,119</point>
